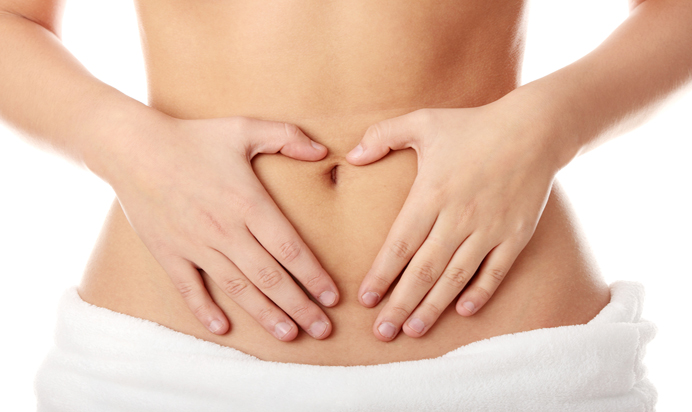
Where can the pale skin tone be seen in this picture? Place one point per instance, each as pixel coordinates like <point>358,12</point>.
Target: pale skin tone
<point>519,143</point>
<point>512,149</point>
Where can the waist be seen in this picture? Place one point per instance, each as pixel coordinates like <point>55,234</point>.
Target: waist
<point>597,366</point>
<point>343,213</point>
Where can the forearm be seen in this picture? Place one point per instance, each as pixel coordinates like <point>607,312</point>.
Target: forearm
<point>52,100</point>
<point>615,87</point>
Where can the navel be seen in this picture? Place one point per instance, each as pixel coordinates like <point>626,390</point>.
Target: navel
<point>333,173</point>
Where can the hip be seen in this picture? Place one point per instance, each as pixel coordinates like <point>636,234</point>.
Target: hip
<point>343,213</point>
<point>104,360</point>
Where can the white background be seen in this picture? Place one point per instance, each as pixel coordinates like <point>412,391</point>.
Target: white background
<point>632,196</point>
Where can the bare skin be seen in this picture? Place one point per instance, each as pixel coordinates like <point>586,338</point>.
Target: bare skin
<point>334,70</point>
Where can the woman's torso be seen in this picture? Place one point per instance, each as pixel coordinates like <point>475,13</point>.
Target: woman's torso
<point>334,68</point>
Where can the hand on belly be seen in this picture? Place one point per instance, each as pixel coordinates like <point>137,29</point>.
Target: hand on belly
<point>343,213</point>
<point>188,190</point>
<point>482,184</point>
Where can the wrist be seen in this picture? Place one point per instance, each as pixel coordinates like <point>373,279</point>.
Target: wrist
<point>539,116</point>
<point>124,126</point>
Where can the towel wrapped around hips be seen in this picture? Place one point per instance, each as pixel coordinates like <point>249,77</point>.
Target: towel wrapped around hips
<point>107,361</point>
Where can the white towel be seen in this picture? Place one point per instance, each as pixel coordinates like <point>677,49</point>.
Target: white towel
<point>107,361</point>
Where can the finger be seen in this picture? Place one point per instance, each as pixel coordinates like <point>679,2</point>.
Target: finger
<point>271,228</point>
<point>391,134</point>
<point>239,288</point>
<point>454,278</point>
<point>408,232</point>
<point>263,271</point>
<point>262,136</point>
<point>188,281</point>
<point>418,278</point>
<point>489,277</point>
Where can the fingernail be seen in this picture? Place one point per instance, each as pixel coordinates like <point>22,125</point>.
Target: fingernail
<point>370,298</point>
<point>215,325</point>
<point>317,329</point>
<point>328,298</point>
<point>281,329</point>
<point>417,325</point>
<point>387,330</point>
<point>316,145</point>
<point>356,152</point>
<point>469,306</point>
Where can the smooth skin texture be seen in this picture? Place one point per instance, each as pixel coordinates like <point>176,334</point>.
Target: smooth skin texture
<point>493,211</point>
<point>228,227</point>
<point>453,231</point>
<point>570,107</point>
<point>225,228</point>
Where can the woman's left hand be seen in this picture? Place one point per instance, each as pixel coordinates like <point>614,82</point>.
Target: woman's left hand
<point>484,176</point>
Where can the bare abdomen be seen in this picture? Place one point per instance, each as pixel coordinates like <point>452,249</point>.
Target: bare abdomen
<point>333,69</point>
<point>344,217</point>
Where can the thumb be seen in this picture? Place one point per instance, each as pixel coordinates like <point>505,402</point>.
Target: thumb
<point>390,134</point>
<point>273,137</point>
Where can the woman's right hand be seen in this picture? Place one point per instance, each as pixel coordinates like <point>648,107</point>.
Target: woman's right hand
<point>188,189</point>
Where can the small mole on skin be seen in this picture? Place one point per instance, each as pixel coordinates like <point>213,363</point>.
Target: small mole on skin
<point>333,173</point>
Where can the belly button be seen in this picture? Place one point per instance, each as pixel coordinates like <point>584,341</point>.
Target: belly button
<point>333,173</point>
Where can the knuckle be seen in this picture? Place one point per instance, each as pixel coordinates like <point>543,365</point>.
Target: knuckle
<point>467,213</point>
<point>425,274</point>
<point>312,281</point>
<point>457,276</point>
<point>186,289</point>
<point>265,314</point>
<point>424,115</point>
<point>289,250</point>
<point>239,123</point>
<point>436,191</point>
<point>247,205</point>
<point>524,231</point>
<point>212,223</point>
<point>380,280</point>
<point>202,311</point>
<point>268,277</point>
<point>433,309</point>
<point>235,287</point>
<point>291,131</point>
<point>400,311</point>
<point>497,274</point>
<point>300,312</point>
<point>375,131</point>
<point>482,292</point>
<point>438,241</point>
<point>400,248</point>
